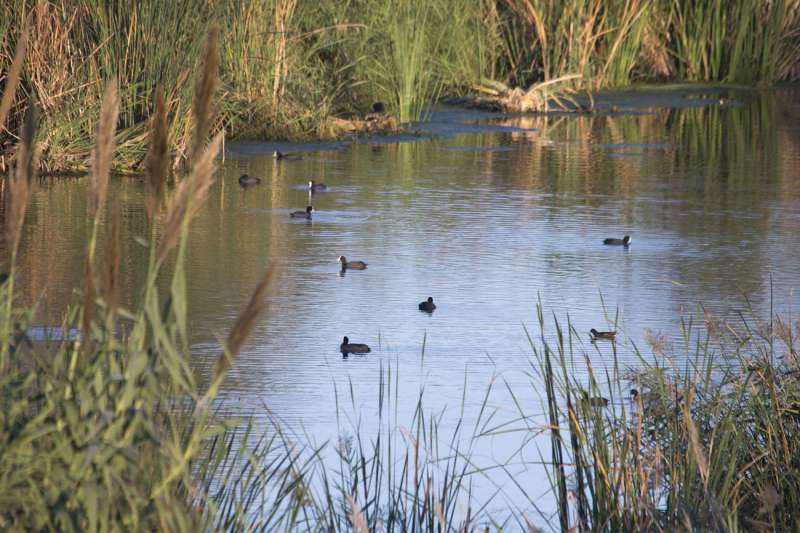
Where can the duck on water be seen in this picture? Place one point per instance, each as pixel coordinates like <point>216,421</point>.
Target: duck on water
<point>302,214</point>
<point>355,265</point>
<point>348,347</point>
<point>625,241</point>
<point>246,181</point>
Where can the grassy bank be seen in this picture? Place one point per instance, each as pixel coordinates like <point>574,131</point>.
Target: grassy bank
<point>289,68</point>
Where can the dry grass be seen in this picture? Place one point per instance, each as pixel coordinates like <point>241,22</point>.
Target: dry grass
<point>204,92</point>
<point>157,160</point>
<point>245,323</point>
<point>12,78</point>
<point>103,152</point>
<point>19,185</point>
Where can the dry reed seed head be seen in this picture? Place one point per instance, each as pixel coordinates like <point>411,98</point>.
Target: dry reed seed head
<point>13,76</point>
<point>19,184</point>
<point>157,160</point>
<point>103,151</point>
<point>189,197</point>
<point>356,516</point>
<point>204,92</point>
<point>246,322</point>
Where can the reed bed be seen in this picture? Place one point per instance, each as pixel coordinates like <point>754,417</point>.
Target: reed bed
<point>288,69</point>
<point>107,426</point>
<point>707,444</point>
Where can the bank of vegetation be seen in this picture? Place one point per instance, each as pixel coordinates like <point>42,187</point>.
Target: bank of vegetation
<point>300,70</point>
<point>107,425</point>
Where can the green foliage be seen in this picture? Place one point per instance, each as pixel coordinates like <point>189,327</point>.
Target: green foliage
<point>288,66</point>
<point>711,446</point>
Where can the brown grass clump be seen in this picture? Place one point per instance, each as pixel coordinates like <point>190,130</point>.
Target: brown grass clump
<point>19,184</point>
<point>12,78</point>
<point>204,92</point>
<point>157,161</point>
<point>188,198</point>
<point>245,323</point>
<point>104,149</point>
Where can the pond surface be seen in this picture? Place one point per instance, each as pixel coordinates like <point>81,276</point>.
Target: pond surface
<point>487,214</point>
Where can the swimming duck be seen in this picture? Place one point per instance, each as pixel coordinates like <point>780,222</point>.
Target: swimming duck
<point>428,306</point>
<point>606,335</point>
<point>594,401</point>
<point>355,265</point>
<point>277,154</point>
<point>302,214</point>
<point>248,181</point>
<point>351,347</point>
<point>625,241</point>
<point>317,187</point>
<point>645,397</point>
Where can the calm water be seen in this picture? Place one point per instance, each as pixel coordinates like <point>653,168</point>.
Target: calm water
<point>486,214</point>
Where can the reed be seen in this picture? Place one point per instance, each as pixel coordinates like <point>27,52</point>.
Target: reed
<point>289,69</point>
<point>707,446</point>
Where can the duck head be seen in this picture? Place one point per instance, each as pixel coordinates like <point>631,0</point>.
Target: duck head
<point>626,239</point>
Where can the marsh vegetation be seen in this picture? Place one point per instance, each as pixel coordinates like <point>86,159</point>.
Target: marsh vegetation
<point>110,425</point>
<point>290,70</point>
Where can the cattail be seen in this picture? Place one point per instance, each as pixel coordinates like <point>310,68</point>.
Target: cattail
<point>103,150</point>
<point>19,184</point>
<point>188,198</point>
<point>245,323</point>
<point>12,77</point>
<point>113,260</point>
<point>157,161</point>
<point>204,92</point>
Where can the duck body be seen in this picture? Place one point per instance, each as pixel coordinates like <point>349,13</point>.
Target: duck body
<point>625,241</point>
<point>355,265</point>
<point>248,181</point>
<point>348,347</point>
<point>302,214</point>
<point>602,335</point>
<point>277,154</point>
<point>428,306</point>
<point>317,187</point>
<point>594,401</point>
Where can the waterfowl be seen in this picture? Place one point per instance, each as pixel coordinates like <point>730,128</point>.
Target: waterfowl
<point>607,335</point>
<point>317,187</point>
<point>625,241</point>
<point>277,154</point>
<point>248,181</point>
<point>355,265</point>
<point>645,397</point>
<point>351,347</point>
<point>302,214</point>
<point>428,306</point>
<point>594,401</point>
